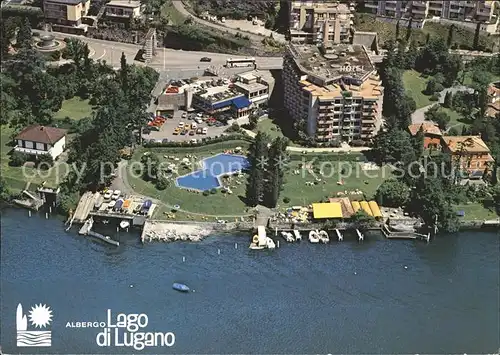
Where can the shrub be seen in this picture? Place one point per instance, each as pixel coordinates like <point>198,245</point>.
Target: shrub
<point>45,161</point>
<point>286,200</point>
<point>434,97</point>
<point>358,143</point>
<point>18,159</point>
<point>162,183</point>
<point>206,193</point>
<point>213,191</point>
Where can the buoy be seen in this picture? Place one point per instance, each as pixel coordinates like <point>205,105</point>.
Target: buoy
<point>355,273</point>
<point>218,251</point>
<point>278,243</point>
<point>50,209</point>
<point>406,267</point>
<point>54,203</point>
<point>29,213</point>
<point>183,259</point>
<point>127,230</point>
<point>235,245</point>
<point>194,290</point>
<point>117,229</point>
<point>46,216</point>
<point>131,285</point>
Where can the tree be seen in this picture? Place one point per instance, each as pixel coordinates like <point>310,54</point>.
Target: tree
<point>275,173</point>
<point>150,164</point>
<point>448,99</point>
<point>418,142</point>
<point>24,35</point>
<point>427,38</point>
<point>253,120</point>
<point>4,39</point>
<point>393,193</point>
<point>18,159</point>
<point>162,182</point>
<point>45,161</point>
<point>397,30</point>
<point>409,29</point>
<point>411,55</point>
<point>258,160</point>
<point>449,40</point>
<point>475,44</point>
<point>392,147</point>
<point>362,220</point>
<point>453,131</point>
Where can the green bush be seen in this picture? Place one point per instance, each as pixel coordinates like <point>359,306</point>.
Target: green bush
<point>45,162</point>
<point>286,200</point>
<point>18,159</point>
<point>213,191</point>
<point>162,183</point>
<point>206,193</point>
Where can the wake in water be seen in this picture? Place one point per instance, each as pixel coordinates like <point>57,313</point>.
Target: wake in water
<point>34,338</point>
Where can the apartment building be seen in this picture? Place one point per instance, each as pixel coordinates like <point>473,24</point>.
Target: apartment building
<point>67,13</point>
<point>256,86</point>
<point>123,9</point>
<point>335,89</point>
<point>320,22</point>
<point>469,11</point>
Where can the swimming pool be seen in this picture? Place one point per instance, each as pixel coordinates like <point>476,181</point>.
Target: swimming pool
<point>207,177</point>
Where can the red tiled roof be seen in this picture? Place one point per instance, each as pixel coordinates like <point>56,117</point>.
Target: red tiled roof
<point>41,134</point>
<point>428,128</point>
<point>470,144</point>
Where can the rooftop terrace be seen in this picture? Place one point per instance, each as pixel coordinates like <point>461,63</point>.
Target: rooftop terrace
<point>343,60</point>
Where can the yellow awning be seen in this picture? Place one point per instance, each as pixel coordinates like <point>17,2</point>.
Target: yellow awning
<point>364,205</point>
<point>375,209</point>
<point>327,210</point>
<point>355,206</point>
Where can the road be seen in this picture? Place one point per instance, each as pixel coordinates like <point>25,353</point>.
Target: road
<point>166,59</point>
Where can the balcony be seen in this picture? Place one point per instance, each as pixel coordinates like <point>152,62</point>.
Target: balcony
<point>31,151</point>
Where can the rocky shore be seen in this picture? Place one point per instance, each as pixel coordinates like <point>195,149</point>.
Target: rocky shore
<point>171,232</point>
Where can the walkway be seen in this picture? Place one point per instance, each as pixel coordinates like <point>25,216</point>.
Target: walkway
<point>419,115</point>
<point>317,150</point>
<point>179,6</point>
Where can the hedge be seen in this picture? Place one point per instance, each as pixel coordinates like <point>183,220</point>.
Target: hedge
<point>204,142</point>
<point>328,156</point>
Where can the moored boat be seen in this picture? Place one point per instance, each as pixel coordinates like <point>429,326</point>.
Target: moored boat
<point>180,287</point>
<point>323,236</point>
<point>288,237</point>
<point>297,235</point>
<point>124,224</point>
<point>313,237</point>
<point>270,243</point>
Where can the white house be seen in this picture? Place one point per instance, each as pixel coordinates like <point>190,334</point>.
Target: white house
<point>123,9</point>
<point>39,140</point>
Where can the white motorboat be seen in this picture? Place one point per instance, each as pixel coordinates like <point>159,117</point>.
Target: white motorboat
<point>323,236</point>
<point>254,246</point>
<point>313,237</point>
<point>287,236</point>
<point>297,235</point>
<point>124,224</point>
<point>270,243</point>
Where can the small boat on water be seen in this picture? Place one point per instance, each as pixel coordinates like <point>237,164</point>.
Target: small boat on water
<point>270,243</point>
<point>313,237</point>
<point>323,236</point>
<point>124,224</point>
<point>288,237</point>
<point>297,235</point>
<point>180,287</point>
<point>254,246</point>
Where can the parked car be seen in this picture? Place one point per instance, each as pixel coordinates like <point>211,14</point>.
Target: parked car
<point>191,133</point>
<point>194,141</point>
<point>183,132</point>
<point>194,125</point>
<point>116,194</point>
<point>108,194</point>
<point>205,59</point>
<point>177,131</point>
<point>199,131</point>
<point>164,140</point>
<point>199,120</point>
<point>181,124</point>
<point>205,130</point>
<point>184,115</point>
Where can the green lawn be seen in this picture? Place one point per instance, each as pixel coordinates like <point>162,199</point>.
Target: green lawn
<point>169,12</point>
<point>268,126</point>
<point>294,188</point>
<point>468,78</point>
<point>17,177</point>
<point>457,120</point>
<point>475,211</point>
<point>74,108</point>
<point>414,85</point>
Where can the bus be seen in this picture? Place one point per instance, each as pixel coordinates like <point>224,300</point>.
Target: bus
<point>240,62</point>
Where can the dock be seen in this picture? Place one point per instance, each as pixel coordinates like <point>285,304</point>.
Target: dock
<point>84,207</point>
<point>404,235</point>
<point>103,238</point>
<point>87,226</point>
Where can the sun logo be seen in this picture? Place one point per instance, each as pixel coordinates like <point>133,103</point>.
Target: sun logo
<point>40,316</point>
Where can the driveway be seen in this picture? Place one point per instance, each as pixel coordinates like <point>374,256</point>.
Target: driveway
<point>419,115</point>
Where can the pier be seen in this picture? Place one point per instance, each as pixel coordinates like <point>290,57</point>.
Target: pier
<point>86,230</point>
<point>404,235</point>
<point>84,207</point>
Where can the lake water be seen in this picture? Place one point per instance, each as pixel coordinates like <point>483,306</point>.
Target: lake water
<point>375,297</point>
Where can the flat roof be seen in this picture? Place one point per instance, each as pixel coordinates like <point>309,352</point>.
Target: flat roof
<point>327,210</point>
<point>124,3</point>
<point>339,61</point>
<point>67,2</point>
<point>250,87</point>
<point>218,93</point>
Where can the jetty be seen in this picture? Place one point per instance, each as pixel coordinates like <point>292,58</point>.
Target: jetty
<point>86,230</point>
<point>339,235</point>
<point>404,235</point>
<point>360,235</point>
<point>85,206</point>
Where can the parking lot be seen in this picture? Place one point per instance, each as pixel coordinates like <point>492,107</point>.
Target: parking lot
<point>166,131</point>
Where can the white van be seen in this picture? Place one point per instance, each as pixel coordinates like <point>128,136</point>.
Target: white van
<point>194,126</point>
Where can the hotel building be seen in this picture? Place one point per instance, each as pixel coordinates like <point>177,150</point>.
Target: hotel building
<point>468,11</point>
<point>320,22</point>
<point>336,90</point>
